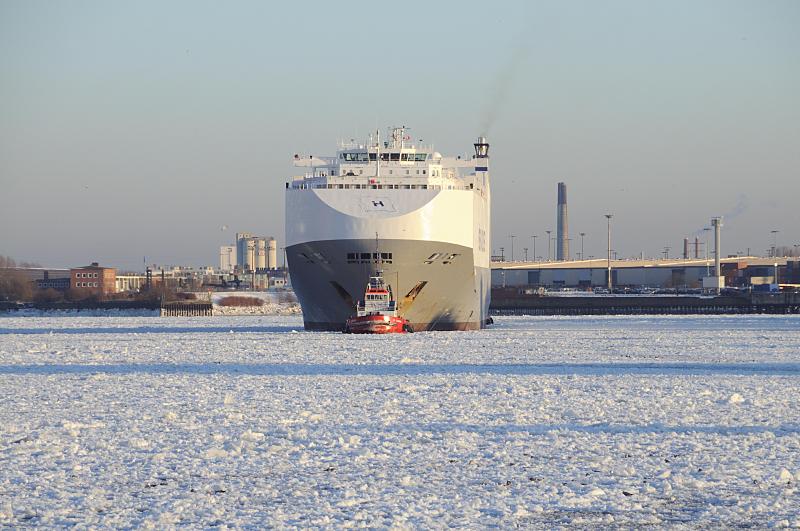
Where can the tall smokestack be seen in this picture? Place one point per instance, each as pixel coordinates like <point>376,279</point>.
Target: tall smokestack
<point>717,224</point>
<point>696,247</point>
<point>686,248</point>
<point>562,232</point>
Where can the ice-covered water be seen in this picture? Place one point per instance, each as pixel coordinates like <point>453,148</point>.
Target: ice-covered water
<point>613,421</point>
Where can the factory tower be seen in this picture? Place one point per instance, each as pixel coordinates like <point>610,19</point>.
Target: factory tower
<point>562,231</point>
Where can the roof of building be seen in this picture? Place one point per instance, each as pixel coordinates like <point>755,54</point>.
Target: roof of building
<point>602,263</point>
<point>93,265</point>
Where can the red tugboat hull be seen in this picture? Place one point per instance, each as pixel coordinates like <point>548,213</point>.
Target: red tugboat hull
<point>377,324</point>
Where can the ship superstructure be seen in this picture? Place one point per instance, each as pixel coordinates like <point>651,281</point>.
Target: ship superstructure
<point>432,215</point>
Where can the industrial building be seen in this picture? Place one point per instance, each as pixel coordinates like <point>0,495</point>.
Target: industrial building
<point>227,258</point>
<point>45,277</point>
<point>249,254</point>
<point>742,271</point>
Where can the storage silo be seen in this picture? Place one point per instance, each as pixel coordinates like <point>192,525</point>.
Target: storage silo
<point>261,253</point>
<point>272,254</point>
<point>250,254</point>
<point>227,257</point>
<point>241,248</point>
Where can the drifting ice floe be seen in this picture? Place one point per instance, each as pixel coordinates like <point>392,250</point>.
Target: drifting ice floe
<point>542,422</point>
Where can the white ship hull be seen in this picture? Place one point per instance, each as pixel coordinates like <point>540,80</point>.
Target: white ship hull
<point>433,242</point>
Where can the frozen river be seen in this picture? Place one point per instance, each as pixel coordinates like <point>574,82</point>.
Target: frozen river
<point>535,422</point>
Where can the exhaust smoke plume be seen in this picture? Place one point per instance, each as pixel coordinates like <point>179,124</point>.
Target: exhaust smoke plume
<point>738,209</point>
<point>500,88</point>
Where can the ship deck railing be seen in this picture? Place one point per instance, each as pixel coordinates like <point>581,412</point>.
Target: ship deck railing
<point>309,186</point>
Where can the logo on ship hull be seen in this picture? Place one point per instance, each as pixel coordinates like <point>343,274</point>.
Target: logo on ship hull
<point>377,204</point>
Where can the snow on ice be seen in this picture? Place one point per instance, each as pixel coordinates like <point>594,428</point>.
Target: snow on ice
<point>535,422</point>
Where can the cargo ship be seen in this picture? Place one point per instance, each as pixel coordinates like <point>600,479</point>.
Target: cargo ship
<point>432,215</point>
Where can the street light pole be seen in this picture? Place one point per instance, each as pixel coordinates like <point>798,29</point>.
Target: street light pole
<point>548,244</point>
<point>774,242</point>
<point>608,217</point>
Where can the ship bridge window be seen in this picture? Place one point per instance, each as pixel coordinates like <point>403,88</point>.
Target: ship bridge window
<point>395,156</point>
<point>384,156</point>
<point>355,157</point>
<point>420,157</point>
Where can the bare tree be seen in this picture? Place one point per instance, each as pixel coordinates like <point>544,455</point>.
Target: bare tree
<point>15,286</point>
<point>48,295</point>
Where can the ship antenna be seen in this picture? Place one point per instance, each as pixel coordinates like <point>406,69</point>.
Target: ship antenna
<point>378,252</point>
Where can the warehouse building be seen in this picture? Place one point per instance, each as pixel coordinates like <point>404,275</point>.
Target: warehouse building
<point>633,274</point>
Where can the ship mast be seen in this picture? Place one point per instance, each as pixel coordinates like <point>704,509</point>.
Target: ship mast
<point>378,252</point>
<point>378,153</point>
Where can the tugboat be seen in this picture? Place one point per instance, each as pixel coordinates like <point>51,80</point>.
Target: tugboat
<point>377,312</point>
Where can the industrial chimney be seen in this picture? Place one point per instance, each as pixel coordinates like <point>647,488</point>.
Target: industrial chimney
<point>686,248</point>
<point>717,224</point>
<point>562,232</point>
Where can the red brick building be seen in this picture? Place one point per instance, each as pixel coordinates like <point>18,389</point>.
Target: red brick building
<point>94,278</point>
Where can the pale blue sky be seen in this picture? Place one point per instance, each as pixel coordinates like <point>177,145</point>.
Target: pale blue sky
<point>140,128</point>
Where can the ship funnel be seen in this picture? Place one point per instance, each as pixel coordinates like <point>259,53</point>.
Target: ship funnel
<point>482,148</point>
